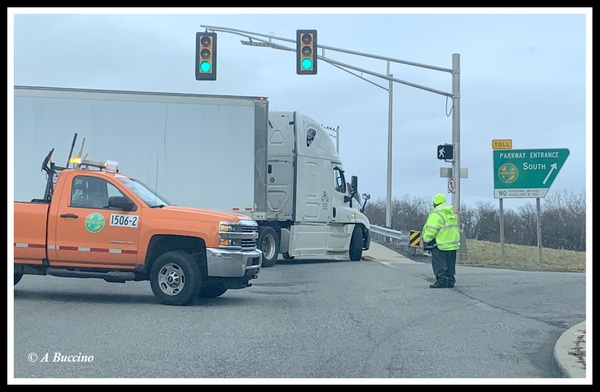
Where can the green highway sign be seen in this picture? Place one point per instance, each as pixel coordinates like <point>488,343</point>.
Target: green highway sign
<point>526,173</point>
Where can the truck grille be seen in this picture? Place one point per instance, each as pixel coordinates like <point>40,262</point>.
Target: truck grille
<point>241,235</point>
<point>250,243</point>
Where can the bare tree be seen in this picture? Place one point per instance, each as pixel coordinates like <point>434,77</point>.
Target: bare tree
<point>487,226</point>
<point>563,220</point>
<point>409,213</point>
<point>375,211</point>
<point>467,221</point>
<point>563,217</point>
<point>524,226</point>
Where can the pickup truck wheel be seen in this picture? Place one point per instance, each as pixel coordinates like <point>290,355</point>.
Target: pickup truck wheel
<point>175,278</point>
<point>211,292</point>
<point>17,278</point>
<point>355,250</point>
<point>268,242</point>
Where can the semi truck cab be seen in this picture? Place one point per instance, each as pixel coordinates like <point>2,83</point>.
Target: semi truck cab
<point>312,210</point>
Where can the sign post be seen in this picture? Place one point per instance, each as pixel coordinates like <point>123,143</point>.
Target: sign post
<point>524,173</point>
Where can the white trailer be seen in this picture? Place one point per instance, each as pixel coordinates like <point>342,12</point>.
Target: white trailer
<point>220,152</point>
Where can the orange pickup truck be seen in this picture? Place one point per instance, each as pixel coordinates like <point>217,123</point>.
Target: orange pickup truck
<point>94,222</point>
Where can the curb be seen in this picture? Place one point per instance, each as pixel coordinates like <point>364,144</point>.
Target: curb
<point>569,352</point>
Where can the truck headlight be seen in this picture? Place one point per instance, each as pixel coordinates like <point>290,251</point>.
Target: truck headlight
<point>239,235</point>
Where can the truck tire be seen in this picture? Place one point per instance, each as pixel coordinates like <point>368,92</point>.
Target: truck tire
<point>175,278</point>
<point>268,242</point>
<point>355,251</point>
<point>17,278</point>
<point>211,292</point>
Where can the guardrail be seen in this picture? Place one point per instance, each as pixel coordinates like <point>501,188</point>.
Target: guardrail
<point>394,239</point>
<point>399,240</point>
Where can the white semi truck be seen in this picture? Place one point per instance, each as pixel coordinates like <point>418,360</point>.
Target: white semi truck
<point>209,151</point>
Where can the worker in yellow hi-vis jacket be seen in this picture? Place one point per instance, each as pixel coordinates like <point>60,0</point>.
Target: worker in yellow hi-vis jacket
<point>441,234</point>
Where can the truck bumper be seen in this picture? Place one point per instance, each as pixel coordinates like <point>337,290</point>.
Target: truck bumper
<point>233,264</point>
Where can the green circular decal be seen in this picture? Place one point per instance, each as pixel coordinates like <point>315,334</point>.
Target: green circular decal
<point>508,173</point>
<point>94,222</point>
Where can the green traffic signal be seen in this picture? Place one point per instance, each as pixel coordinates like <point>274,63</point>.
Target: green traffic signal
<point>306,52</point>
<point>205,66</point>
<point>206,56</point>
<point>307,64</point>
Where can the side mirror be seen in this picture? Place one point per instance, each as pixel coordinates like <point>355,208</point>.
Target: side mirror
<point>354,183</point>
<point>121,203</point>
<point>353,191</point>
<point>365,197</point>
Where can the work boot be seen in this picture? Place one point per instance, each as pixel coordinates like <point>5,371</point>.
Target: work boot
<point>450,282</point>
<point>437,285</point>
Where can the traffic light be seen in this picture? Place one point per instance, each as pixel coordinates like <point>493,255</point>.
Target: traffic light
<point>445,151</point>
<point>206,56</point>
<point>306,52</point>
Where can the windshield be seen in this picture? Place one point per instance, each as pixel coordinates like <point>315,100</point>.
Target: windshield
<point>146,194</point>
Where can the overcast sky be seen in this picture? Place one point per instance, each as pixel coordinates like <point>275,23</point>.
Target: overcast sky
<point>523,76</point>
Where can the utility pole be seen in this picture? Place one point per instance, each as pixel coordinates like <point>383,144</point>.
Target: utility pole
<point>456,132</point>
<point>388,195</point>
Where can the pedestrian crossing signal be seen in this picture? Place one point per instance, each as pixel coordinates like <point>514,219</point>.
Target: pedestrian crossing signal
<point>445,151</point>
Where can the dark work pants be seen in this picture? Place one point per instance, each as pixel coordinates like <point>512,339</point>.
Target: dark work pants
<point>443,263</point>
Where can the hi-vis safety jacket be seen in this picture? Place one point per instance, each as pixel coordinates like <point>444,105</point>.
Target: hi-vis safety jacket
<point>442,226</point>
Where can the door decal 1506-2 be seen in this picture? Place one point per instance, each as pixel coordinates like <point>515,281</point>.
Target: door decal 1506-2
<point>124,220</point>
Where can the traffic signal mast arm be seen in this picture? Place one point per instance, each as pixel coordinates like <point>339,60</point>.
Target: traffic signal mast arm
<point>252,37</point>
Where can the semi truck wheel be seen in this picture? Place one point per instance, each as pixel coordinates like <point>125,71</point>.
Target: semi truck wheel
<point>175,278</point>
<point>268,242</point>
<point>211,292</point>
<point>355,250</point>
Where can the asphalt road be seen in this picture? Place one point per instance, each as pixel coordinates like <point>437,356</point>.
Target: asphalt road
<point>318,321</point>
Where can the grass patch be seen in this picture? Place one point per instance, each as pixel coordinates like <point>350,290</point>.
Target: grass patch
<point>487,253</point>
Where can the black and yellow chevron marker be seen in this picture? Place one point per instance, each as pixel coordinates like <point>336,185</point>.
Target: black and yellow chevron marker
<point>414,238</point>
